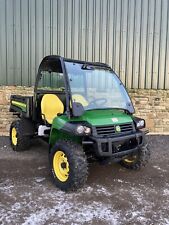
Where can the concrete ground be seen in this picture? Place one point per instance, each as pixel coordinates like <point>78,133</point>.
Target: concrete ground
<point>112,194</point>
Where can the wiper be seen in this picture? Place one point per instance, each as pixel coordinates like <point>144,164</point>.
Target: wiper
<point>87,67</point>
<point>99,108</point>
<point>125,110</point>
<point>98,66</point>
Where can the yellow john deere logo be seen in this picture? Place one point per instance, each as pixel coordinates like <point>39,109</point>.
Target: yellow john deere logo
<point>118,129</point>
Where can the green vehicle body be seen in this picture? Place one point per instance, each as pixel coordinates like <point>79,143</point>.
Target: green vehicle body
<point>94,118</point>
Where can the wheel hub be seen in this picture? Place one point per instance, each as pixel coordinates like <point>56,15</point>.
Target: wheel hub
<point>61,166</point>
<point>14,136</point>
<point>130,159</point>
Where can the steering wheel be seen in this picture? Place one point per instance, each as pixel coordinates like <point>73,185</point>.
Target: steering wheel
<point>98,101</point>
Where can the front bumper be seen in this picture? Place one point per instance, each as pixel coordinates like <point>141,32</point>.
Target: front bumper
<point>117,147</point>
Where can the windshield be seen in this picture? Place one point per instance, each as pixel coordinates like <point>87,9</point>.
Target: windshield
<point>97,88</point>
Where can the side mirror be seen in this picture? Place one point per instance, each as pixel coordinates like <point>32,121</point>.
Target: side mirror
<point>77,109</point>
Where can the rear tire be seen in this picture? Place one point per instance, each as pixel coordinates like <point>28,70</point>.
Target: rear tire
<point>137,161</point>
<point>68,165</point>
<point>19,142</point>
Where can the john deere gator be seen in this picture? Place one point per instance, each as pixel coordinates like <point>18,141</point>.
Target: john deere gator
<point>84,112</point>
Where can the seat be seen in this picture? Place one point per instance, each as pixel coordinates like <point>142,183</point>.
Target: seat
<point>51,105</point>
<point>80,99</point>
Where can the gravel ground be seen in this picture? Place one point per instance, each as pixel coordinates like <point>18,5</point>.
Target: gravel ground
<point>112,194</point>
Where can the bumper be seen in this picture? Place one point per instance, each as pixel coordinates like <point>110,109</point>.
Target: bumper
<point>117,147</point>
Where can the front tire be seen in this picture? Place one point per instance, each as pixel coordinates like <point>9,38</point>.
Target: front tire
<point>138,160</point>
<point>19,142</point>
<point>68,165</point>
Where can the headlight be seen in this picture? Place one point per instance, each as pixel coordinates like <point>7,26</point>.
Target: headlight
<point>83,130</point>
<point>80,129</point>
<point>140,124</point>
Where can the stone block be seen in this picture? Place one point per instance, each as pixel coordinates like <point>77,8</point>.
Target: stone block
<point>3,99</point>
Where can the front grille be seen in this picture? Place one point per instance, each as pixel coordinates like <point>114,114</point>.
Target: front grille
<point>111,130</point>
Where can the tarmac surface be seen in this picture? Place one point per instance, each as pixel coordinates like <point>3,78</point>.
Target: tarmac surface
<point>112,194</point>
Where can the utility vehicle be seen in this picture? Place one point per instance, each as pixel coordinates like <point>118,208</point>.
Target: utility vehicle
<point>85,113</point>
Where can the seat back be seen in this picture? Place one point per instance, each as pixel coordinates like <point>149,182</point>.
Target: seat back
<point>51,105</point>
<point>79,98</point>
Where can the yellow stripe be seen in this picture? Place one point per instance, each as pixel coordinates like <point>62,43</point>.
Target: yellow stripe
<point>19,104</point>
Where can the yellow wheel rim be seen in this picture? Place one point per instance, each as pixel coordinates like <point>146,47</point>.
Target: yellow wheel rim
<point>14,136</point>
<point>61,166</point>
<point>130,159</point>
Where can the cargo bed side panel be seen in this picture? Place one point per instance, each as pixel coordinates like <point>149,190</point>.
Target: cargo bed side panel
<point>21,105</point>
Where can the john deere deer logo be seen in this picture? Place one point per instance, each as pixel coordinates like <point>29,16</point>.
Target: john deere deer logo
<point>118,129</point>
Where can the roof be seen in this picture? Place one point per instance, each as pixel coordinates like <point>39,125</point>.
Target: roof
<point>58,58</point>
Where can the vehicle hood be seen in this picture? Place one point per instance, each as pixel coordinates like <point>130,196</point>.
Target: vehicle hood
<point>105,117</point>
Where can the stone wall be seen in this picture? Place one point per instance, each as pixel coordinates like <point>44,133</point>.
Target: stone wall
<point>152,105</point>
<point>5,116</point>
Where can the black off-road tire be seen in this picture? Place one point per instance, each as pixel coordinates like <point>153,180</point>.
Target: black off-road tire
<point>78,166</point>
<point>23,142</point>
<point>142,158</point>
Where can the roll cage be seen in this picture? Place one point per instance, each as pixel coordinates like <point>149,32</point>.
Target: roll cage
<point>57,64</point>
